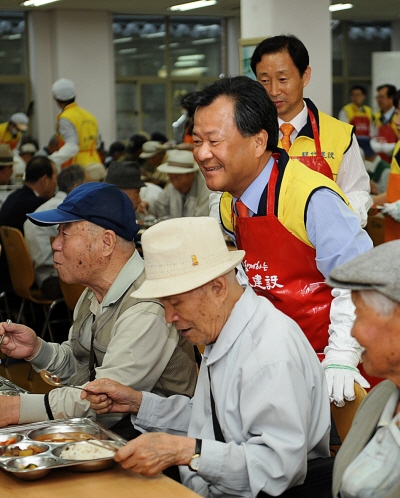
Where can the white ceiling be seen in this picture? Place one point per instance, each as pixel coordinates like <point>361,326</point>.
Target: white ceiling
<point>382,10</point>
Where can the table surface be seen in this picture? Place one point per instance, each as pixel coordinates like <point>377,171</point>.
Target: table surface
<point>115,482</point>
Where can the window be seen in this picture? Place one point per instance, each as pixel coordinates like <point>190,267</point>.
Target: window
<point>14,82</point>
<point>158,60</point>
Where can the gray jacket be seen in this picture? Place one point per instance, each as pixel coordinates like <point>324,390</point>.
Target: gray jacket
<point>361,431</point>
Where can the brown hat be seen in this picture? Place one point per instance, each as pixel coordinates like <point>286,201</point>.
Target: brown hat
<point>6,155</point>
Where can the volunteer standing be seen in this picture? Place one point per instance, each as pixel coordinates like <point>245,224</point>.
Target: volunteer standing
<point>76,128</point>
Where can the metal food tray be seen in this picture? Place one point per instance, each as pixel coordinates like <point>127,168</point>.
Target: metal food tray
<point>50,458</point>
<point>7,385</point>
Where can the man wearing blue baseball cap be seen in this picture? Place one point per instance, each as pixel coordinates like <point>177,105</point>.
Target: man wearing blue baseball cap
<point>113,334</point>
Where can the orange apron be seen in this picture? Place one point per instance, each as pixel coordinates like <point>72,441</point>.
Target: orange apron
<point>282,268</point>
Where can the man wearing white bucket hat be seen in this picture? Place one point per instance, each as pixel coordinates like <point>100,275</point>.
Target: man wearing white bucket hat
<point>186,194</point>
<point>261,407</point>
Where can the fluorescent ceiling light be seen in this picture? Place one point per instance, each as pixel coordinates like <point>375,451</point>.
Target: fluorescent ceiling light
<point>193,5</point>
<point>159,34</point>
<point>37,3</point>
<point>193,57</point>
<point>171,45</point>
<point>340,6</point>
<point>16,36</point>
<point>127,51</point>
<point>204,41</point>
<point>123,40</point>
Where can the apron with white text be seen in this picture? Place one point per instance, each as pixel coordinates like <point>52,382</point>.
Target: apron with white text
<point>282,268</point>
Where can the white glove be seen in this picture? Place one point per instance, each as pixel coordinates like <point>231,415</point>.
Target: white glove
<point>340,379</point>
<point>392,209</point>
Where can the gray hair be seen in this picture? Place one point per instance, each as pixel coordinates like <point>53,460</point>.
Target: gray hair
<point>380,303</point>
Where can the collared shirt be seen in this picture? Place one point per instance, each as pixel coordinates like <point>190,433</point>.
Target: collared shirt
<point>271,402</point>
<point>376,469</point>
<point>38,242</point>
<point>335,242</point>
<point>352,177</point>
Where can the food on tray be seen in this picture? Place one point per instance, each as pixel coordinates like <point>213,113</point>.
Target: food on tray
<point>85,451</point>
<point>16,451</point>
<point>67,437</point>
<point>12,440</point>
<point>30,466</point>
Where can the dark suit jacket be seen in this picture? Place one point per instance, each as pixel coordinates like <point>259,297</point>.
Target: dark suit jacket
<point>362,429</point>
<point>13,214</point>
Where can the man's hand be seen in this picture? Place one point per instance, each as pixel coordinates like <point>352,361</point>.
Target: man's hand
<point>109,396</point>
<point>153,452</point>
<point>20,341</point>
<point>340,380</point>
<point>9,410</point>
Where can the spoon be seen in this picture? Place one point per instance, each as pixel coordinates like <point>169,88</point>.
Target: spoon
<point>53,380</point>
<point>2,337</point>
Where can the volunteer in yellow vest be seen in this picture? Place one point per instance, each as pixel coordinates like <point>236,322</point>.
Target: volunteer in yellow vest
<point>11,131</point>
<point>321,142</point>
<point>391,198</point>
<point>386,134</point>
<point>357,113</point>
<point>76,128</point>
<point>298,224</point>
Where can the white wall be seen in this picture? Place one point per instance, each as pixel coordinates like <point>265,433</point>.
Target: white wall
<point>309,20</point>
<point>75,45</point>
<point>385,70</point>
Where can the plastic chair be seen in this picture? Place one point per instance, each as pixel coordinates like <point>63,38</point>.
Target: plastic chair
<point>23,277</point>
<point>343,416</point>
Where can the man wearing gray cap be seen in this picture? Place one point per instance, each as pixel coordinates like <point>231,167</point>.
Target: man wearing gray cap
<point>76,128</point>
<point>11,131</point>
<point>126,176</point>
<point>261,407</point>
<point>367,462</point>
<point>113,334</point>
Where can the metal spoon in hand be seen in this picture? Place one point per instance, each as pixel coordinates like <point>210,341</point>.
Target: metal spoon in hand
<point>53,380</point>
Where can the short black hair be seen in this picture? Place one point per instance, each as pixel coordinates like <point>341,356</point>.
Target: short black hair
<point>116,147</point>
<point>359,87</point>
<point>157,136</point>
<point>70,177</point>
<point>253,109</point>
<point>282,43</point>
<point>37,167</point>
<point>396,99</point>
<point>391,89</point>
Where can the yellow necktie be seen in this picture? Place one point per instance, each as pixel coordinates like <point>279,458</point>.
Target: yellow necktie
<point>286,129</point>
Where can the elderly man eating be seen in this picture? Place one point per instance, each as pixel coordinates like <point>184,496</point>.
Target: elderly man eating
<point>367,464</point>
<point>261,407</point>
<point>113,334</point>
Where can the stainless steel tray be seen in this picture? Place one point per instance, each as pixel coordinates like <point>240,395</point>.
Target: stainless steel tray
<point>6,386</point>
<point>49,459</point>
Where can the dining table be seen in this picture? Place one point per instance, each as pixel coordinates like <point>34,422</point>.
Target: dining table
<point>115,482</point>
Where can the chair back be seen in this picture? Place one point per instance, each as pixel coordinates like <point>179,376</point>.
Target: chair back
<point>19,261</point>
<point>344,415</point>
<point>71,293</point>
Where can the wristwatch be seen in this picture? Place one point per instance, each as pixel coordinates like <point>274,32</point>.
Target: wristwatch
<point>195,460</point>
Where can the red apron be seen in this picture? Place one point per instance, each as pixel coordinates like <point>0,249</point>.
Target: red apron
<point>362,125</point>
<point>317,162</point>
<point>284,270</point>
<point>387,132</point>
